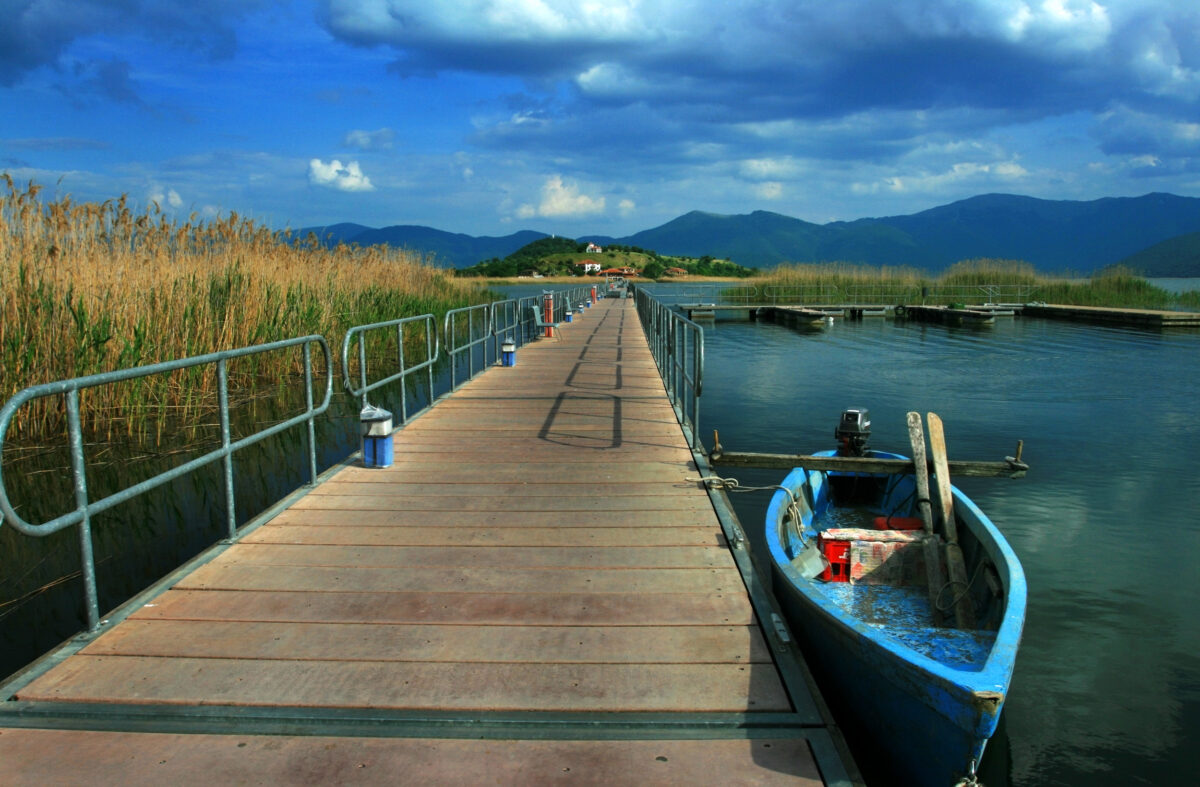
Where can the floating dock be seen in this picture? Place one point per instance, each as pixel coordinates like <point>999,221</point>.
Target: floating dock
<point>1146,318</point>
<point>537,590</point>
<point>947,315</point>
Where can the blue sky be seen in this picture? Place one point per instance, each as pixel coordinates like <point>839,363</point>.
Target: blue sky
<point>595,116</point>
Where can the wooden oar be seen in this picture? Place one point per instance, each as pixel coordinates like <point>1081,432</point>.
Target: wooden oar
<point>964,611</point>
<point>933,557</point>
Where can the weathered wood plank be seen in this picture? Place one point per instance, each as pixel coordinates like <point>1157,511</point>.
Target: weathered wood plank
<point>574,537</point>
<point>496,520</point>
<point>469,471</point>
<point>514,508</point>
<point>546,608</point>
<point>349,579</point>
<point>391,485</point>
<point>409,685</point>
<point>964,609</point>
<point>473,557</point>
<point>34,758</point>
<point>861,464</point>
<point>375,642</point>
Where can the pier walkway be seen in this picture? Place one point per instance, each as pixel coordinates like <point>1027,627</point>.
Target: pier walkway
<point>534,592</point>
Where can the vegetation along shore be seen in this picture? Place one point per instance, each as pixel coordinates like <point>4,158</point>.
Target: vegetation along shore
<point>87,288</point>
<point>91,287</point>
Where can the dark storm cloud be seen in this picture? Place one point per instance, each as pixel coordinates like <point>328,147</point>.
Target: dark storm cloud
<point>37,33</point>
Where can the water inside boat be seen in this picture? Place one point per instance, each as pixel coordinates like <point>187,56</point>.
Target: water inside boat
<point>881,581</point>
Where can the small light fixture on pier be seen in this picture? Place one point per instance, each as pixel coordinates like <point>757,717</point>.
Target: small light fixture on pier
<point>376,436</point>
<point>508,353</point>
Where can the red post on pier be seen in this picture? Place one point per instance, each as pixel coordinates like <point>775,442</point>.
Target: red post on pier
<point>594,301</point>
<point>548,312</point>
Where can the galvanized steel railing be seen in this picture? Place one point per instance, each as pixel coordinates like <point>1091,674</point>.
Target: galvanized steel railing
<point>677,345</point>
<point>425,324</point>
<point>507,322</point>
<point>800,293</point>
<point>463,330</point>
<point>495,322</point>
<point>86,508</point>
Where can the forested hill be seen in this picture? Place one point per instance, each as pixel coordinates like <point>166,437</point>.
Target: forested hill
<point>1055,236</point>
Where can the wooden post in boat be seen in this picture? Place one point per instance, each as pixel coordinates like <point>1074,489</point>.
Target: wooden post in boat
<point>933,557</point>
<point>964,612</point>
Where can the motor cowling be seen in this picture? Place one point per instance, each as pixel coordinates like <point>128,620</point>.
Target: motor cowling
<point>853,431</point>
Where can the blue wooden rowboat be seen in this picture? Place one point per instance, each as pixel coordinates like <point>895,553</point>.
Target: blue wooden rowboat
<point>925,690</point>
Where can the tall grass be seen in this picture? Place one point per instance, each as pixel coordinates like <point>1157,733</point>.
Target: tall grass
<point>92,287</point>
<point>975,281</point>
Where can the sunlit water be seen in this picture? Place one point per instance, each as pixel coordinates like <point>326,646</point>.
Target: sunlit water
<point>1106,524</point>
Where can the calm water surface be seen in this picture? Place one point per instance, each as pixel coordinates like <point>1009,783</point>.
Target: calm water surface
<point>1106,524</point>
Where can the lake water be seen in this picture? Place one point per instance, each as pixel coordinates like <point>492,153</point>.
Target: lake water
<point>1107,523</point>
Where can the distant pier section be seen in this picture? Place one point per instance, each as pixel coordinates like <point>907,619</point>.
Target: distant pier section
<point>1147,318</point>
<point>799,315</point>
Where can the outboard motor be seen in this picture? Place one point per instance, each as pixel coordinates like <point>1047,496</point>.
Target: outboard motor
<point>853,431</point>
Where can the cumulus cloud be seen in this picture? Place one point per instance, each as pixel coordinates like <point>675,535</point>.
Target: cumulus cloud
<point>335,175</point>
<point>562,200</point>
<point>380,139</point>
<point>165,198</point>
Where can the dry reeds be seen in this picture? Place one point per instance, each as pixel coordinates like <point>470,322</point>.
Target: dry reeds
<point>87,288</point>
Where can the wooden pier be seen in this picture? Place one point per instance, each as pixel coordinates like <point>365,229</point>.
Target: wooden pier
<point>536,591</point>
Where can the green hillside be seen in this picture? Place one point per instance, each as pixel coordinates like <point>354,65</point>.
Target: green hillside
<point>558,257</point>
<point>1177,257</point>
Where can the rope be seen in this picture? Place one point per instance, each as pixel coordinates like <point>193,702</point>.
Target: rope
<point>732,485</point>
<point>937,600</point>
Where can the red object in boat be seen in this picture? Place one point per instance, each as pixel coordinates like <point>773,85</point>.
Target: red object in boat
<point>899,523</point>
<point>838,555</point>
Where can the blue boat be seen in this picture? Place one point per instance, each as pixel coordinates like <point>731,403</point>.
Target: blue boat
<point>914,636</point>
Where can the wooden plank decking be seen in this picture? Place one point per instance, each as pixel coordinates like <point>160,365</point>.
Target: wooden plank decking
<point>536,569</point>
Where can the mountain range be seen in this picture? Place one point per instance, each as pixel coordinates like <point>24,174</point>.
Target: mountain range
<point>1052,235</point>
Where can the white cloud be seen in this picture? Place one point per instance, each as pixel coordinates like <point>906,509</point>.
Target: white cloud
<point>168,198</point>
<point>626,207</point>
<point>978,175</point>
<point>380,139</point>
<point>766,169</point>
<point>562,200</point>
<point>334,175</point>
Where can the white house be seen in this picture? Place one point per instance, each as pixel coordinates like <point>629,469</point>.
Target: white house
<point>588,266</point>
<point>592,248</point>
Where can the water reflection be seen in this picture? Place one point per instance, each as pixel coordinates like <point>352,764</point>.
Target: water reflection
<point>1105,688</point>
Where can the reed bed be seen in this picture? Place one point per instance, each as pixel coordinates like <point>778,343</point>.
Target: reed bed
<point>93,287</point>
<point>976,281</point>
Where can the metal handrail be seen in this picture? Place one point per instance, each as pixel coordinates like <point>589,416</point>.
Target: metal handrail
<point>85,508</point>
<point>478,332</point>
<point>677,345</point>
<point>800,293</point>
<point>506,322</point>
<point>432,350</point>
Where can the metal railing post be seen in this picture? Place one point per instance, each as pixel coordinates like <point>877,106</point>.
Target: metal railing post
<point>311,425</point>
<point>87,557</point>
<point>227,459</point>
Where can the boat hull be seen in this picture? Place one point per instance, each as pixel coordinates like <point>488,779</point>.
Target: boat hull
<point>926,719</point>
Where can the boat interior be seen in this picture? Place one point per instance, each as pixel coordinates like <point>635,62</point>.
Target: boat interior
<point>875,560</point>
